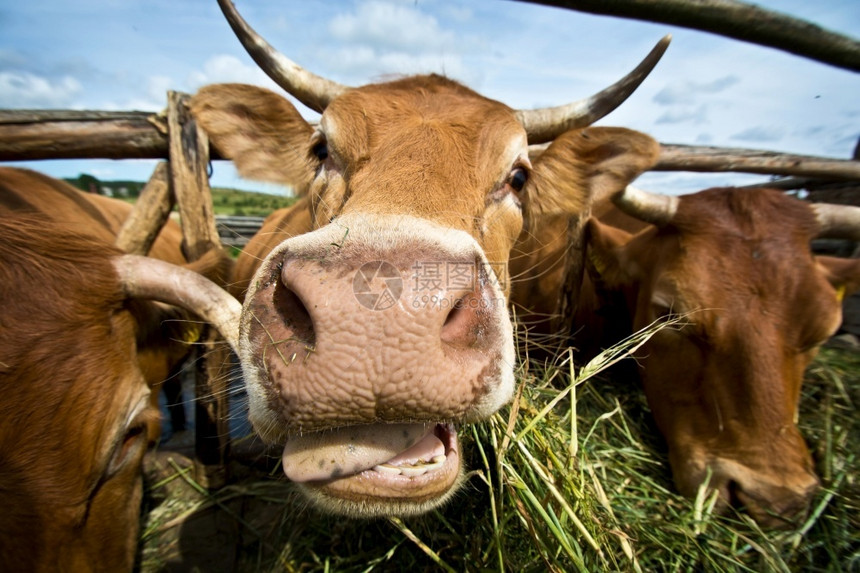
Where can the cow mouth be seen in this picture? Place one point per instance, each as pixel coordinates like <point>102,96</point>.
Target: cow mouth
<point>379,469</point>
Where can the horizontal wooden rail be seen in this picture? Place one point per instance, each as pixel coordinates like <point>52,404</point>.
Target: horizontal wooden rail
<point>714,159</point>
<point>739,20</point>
<point>675,157</point>
<point>60,134</point>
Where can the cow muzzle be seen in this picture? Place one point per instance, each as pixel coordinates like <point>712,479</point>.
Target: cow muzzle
<point>365,344</point>
<point>773,498</point>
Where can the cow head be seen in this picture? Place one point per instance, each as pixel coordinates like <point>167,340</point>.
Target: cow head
<point>755,305</point>
<point>74,405</point>
<point>166,333</point>
<point>366,341</point>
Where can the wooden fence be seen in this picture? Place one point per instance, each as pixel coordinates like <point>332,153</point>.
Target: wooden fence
<point>236,231</point>
<point>52,134</point>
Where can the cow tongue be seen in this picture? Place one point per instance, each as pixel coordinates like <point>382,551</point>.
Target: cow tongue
<point>351,450</point>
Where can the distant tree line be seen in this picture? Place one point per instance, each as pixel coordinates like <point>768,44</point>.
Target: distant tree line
<point>225,201</point>
<point>119,189</point>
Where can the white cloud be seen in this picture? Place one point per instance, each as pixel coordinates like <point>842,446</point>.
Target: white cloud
<point>367,64</point>
<point>158,86</point>
<point>687,92</point>
<point>227,68</point>
<point>761,134</point>
<point>685,114</point>
<point>27,90</point>
<point>153,97</point>
<point>380,38</point>
<point>391,26</point>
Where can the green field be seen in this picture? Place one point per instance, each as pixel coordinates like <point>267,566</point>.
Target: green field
<point>247,203</point>
<point>225,201</point>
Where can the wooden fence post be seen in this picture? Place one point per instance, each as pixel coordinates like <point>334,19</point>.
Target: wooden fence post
<point>149,215</point>
<point>189,160</point>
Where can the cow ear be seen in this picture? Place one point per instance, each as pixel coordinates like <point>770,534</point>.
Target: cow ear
<point>587,165</point>
<point>605,261</point>
<point>843,274</point>
<point>262,133</point>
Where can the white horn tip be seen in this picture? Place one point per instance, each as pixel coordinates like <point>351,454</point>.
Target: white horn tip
<point>650,207</point>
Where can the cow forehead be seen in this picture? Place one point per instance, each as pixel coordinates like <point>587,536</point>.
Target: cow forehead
<point>718,270</point>
<point>732,262</point>
<point>385,113</point>
<point>746,215</point>
<point>423,145</point>
<point>430,94</point>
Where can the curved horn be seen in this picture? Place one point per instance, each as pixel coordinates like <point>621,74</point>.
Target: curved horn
<point>145,277</point>
<point>837,221</point>
<point>546,124</point>
<point>312,90</point>
<point>649,207</point>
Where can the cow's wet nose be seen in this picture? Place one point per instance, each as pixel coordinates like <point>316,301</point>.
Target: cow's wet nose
<point>461,326</point>
<point>387,336</point>
<point>290,306</point>
<point>460,311</point>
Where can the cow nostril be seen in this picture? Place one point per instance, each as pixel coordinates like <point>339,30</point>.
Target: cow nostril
<point>461,326</point>
<point>733,489</point>
<point>289,306</point>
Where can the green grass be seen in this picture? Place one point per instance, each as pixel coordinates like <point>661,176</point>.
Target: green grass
<point>572,476</point>
<point>225,201</point>
<point>247,203</point>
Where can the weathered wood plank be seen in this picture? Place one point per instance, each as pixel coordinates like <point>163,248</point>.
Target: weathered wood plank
<point>675,157</point>
<point>189,159</point>
<point>738,20</point>
<point>720,159</point>
<point>149,215</point>
<point>64,134</point>
<point>61,134</point>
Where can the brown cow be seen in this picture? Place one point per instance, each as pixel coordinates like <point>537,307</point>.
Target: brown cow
<point>756,304</point>
<point>27,191</point>
<point>74,404</point>
<point>369,338</point>
<point>78,325</point>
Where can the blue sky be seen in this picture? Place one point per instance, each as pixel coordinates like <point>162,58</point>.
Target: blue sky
<point>707,90</point>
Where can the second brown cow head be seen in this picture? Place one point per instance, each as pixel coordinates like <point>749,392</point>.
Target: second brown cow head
<point>754,305</point>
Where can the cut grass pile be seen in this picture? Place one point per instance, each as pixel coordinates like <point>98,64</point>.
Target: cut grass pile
<point>571,477</point>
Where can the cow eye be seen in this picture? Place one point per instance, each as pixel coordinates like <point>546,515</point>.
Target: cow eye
<point>128,449</point>
<point>320,150</point>
<point>518,178</point>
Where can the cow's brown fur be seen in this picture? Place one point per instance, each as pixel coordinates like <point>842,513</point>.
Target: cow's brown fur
<point>547,260</point>
<point>70,482</point>
<point>756,304</point>
<point>77,360</point>
<point>168,330</point>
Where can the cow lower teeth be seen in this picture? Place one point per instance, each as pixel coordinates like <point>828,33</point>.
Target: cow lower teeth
<point>419,469</point>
